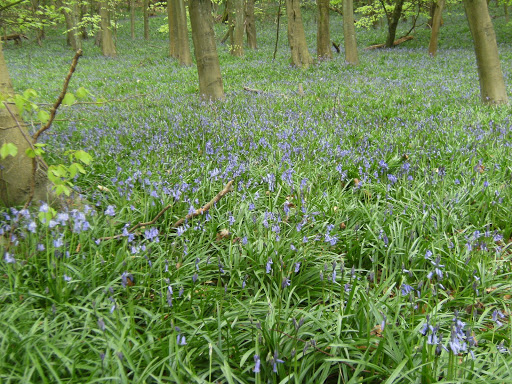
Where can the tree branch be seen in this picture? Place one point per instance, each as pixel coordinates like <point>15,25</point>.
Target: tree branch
<point>228,188</point>
<point>53,110</point>
<point>10,5</point>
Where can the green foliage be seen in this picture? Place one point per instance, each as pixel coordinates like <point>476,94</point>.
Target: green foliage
<point>8,149</point>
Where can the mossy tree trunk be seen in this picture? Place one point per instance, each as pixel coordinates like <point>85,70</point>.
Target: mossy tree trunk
<point>323,36</point>
<point>173,28</point>
<point>71,15</point>
<point>205,50</point>
<point>182,42</point>
<point>492,85</point>
<point>16,173</point>
<point>146,19</point>
<point>349,32</point>
<point>250,24</point>
<point>436,26</point>
<point>236,21</point>
<point>393,20</point>
<point>301,57</point>
<point>132,19</point>
<point>108,47</point>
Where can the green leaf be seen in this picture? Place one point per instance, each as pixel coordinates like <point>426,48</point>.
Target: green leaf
<point>69,99</point>
<point>29,93</point>
<point>30,153</point>
<point>8,149</point>
<point>60,189</point>
<point>74,169</point>
<point>43,116</point>
<point>82,93</point>
<point>83,156</point>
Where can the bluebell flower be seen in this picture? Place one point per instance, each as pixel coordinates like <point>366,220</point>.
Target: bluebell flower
<point>257,364</point>
<point>67,278</point>
<point>285,283</point>
<point>101,324</point>
<point>297,267</point>
<point>8,258</point>
<point>274,361</point>
<point>110,211</point>
<point>406,289</point>
<point>268,267</point>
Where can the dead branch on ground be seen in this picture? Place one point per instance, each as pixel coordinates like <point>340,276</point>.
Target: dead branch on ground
<point>395,43</point>
<point>228,188</point>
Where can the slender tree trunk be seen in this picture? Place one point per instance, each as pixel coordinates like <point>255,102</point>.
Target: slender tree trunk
<point>492,85</point>
<point>436,25</point>
<point>205,50</point>
<point>132,19</point>
<point>183,46</point>
<point>393,23</point>
<point>70,12</point>
<point>173,28</point>
<point>323,36</point>
<point>108,47</point>
<point>237,19</point>
<point>296,36</point>
<point>250,24</point>
<point>146,19</point>
<point>16,173</point>
<point>505,9</point>
<point>349,32</point>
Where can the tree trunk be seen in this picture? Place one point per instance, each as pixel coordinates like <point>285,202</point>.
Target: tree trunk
<point>250,24</point>
<point>236,20</point>
<point>393,23</point>
<point>173,28</point>
<point>146,19</point>
<point>205,50</point>
<point>349,32</point>
<point>505,10</point>
<point>70,17</point>
<point>492,85</point>
<point>296,36</point>
<point>108,47</point>
<point>182,43</point>
<point>436,25</point>
<point>323,36</point>
<point>132,19</point>
<point>16,173</point>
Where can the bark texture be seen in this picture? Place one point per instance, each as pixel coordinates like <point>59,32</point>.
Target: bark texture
<point>436,25</point>
<point>173,28</point>
<point>132,19</point>
<point>236,19</point>
<point>250,24</point>
<point>349,32</point>
<point>323,36</point>
<point>205,50</point>
<point>393,20</point>
<point>182,42</point>
<point>492,85</point>
<point>301,57</point>
<point>16,172</point>
<point>146,19</point>
<point>108,47</point>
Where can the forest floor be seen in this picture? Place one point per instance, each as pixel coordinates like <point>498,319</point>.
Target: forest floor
<point>366,237</point>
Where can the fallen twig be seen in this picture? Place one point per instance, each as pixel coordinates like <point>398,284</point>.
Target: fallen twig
<point>228,188</point>
<point>395,43</point>
<point>57,103</point>
<point>252,90</point>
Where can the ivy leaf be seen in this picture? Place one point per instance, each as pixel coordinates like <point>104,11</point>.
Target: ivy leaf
<point>8,149</point>
<point>69,99</point>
